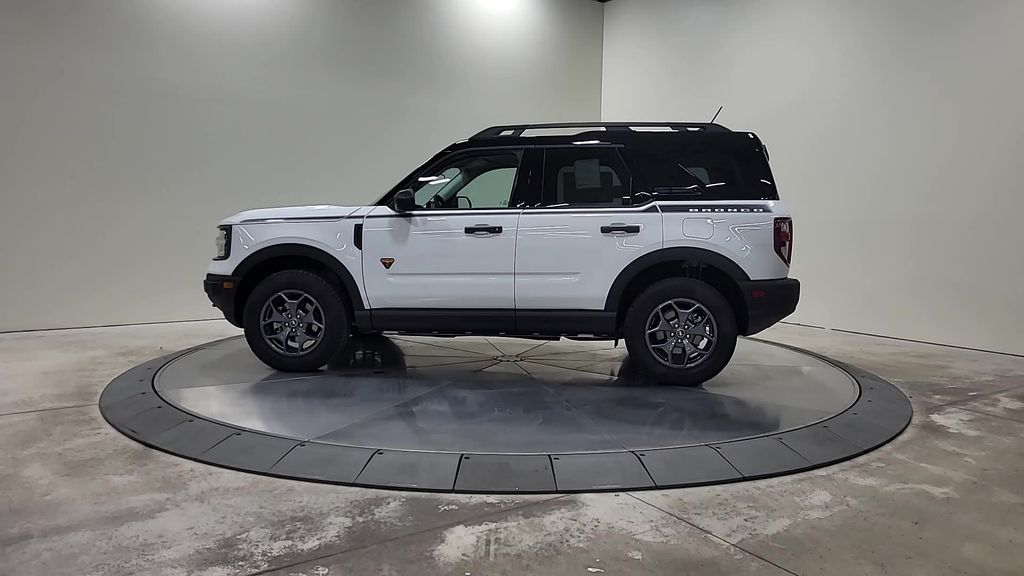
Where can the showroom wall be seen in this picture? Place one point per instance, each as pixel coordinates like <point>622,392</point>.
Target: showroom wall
<point>896,138</point>
<point>129,127</point>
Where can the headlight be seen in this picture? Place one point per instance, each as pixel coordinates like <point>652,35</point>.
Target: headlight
<point>223,243</point>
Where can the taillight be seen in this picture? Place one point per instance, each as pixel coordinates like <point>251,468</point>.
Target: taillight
<point>784,239</point>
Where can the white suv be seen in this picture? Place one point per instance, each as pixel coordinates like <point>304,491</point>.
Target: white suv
<point>668,235</point>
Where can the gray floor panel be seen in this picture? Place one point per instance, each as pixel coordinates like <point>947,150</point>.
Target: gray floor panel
<point>325,462</point>
<point>818,445</point>
<point>131,405</point>
<point>599,472</point>
<point>690,466</point>
<point>505,473</point>
<point>411,470</point>
<point>191,438</point>
<point>153,421</point>
<point>249,451</point>
<point>862,431</point>
<point>760,457</point>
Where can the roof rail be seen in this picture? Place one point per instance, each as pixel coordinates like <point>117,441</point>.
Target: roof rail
<point>518,129</point>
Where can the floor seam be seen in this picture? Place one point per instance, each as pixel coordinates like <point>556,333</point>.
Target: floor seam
<point>496,362</point>
<point>493,345</point>
<point>713,535</point>
<point>953,403</point>
<point>285,455</point>
<point>525,371</point>
<point>468,360</point>
<point>91,326</point>
<point>544,362</point>
<point>791,449</point>
<point>478,353</point>
<point>367,417</point>
<point>557,355</point>
<point>47,409</point>
<point>980,413</point>
<point>477,357</point>
<point>403,536</point>
<point>954,346</point>
<point>531,349</point>
<point>586,417</point>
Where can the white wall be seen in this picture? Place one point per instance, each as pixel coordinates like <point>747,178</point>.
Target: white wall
<point>128,128</point>
<point>896,135</point>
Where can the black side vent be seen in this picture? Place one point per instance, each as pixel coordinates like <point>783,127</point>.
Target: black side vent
<point>357,238</point>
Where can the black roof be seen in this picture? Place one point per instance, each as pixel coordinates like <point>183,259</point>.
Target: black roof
<point>515,130</point>
<point>604,132</point>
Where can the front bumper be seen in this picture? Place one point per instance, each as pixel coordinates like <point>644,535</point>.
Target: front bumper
<point>767,302</point>
<point>222,290</point>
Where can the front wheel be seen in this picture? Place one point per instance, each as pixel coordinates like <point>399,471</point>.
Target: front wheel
<point>680,332</point>
<point>295,321</point>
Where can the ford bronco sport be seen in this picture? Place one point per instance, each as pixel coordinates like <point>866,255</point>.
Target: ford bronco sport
<point>670,236</point>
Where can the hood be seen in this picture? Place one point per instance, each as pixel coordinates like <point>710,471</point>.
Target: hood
<point>266,215</point>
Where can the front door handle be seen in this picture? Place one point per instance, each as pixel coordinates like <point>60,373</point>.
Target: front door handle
<point>621,229</point>
<point>483,229</point>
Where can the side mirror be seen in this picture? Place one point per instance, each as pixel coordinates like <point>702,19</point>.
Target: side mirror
<point>404,200</point>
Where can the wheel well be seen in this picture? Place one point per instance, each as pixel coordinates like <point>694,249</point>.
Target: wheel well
<point>270,266</point>
<point>718,279</point>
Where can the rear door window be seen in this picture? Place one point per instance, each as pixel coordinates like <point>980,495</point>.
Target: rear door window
<point>584,176</point>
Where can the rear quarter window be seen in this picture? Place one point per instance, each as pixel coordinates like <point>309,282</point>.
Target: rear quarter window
<point>706,171</point>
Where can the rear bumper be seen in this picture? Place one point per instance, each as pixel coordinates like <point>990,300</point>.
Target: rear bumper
<point>768,301</point>
<point>221,290</point>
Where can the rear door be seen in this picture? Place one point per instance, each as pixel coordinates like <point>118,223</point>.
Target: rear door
<point>584,231</point>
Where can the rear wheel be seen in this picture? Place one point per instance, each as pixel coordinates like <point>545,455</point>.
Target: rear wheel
<point>681,332</point>
<point>295,321</point>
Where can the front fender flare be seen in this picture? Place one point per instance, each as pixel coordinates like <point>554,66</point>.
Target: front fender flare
<point>301,250</point>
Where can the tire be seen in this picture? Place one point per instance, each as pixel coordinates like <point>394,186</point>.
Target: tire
<point>664,365</point>
<point>291,350</point>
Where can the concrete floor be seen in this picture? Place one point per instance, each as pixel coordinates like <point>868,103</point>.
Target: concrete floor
<point>76,497</point>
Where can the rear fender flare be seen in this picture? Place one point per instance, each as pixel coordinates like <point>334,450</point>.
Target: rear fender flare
<point>698,256</point>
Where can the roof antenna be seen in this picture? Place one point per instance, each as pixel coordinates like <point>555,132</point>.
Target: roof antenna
<point>716,114</point>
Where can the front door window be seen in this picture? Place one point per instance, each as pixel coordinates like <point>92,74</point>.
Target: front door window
<point>469,181</point>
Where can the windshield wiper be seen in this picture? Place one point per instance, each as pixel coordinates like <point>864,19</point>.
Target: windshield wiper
<point>696,180</point>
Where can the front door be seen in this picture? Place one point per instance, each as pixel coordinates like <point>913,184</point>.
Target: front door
<point>452,260</point>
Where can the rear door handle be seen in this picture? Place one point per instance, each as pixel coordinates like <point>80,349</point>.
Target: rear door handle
<point>621,229</point>
<point>483,229</point>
